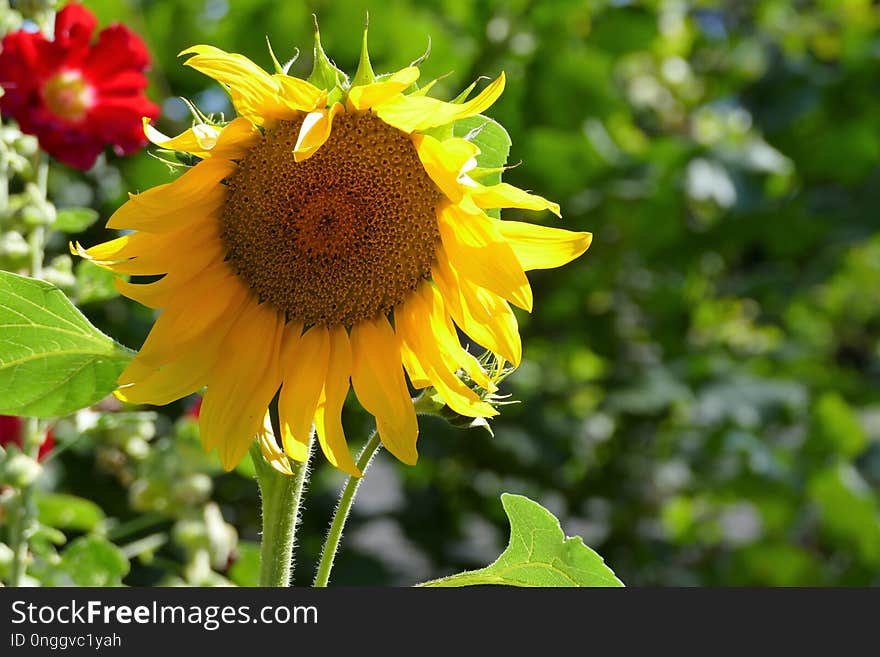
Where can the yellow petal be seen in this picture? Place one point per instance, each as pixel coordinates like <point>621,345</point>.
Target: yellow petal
<point>273,454</point>
<point>454,355</point>
<point>410,113</point>
<point>299,94</point>
<point>479,253</point>
<point>197,308</point>
<point>196,194</point>
<point>162,293</point>
<point>503,195</point>
<point>255,94</point>
<point>328,416</point>
<point>236,139</point>
<point>304,372</point>
<point>377,378</point>
<point>314,132</point>
<point>144,383</point>
<point>198,140</point>
<point>542,247</point>
<point>418,377</point>
<point>242,383</point>
<point>365,96</point>
<point>413,321</point>
<point>145,254</point>
<point>482,315</point>
<point>444,161</point>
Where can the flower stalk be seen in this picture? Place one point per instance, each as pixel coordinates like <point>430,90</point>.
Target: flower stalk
<point>21,525</point>
<point>280,496</point>
<point>331,543</point>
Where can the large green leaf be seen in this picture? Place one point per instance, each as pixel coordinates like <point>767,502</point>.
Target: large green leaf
<point>52,360</point>
<point>538,554</point>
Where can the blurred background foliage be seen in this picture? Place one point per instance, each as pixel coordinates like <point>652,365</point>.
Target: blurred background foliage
<point>699,395</point>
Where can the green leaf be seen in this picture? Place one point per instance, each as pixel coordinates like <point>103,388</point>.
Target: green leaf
<point>91,561</point>
<point>75,220</point>
<point>69,512</point>
<point>52,360</point>
<point>538,554</point>
<point>494,143</point>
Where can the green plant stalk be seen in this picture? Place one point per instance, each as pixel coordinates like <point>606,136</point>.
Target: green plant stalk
<point>20,528</point>
<point>334,535</point>
<point>280,495</point>
<point>33,435</point>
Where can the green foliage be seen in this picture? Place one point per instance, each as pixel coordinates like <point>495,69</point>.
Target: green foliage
<point>90,561</point>
<point>539,554</point>
<point>699,393</point>
<point>494,143</point>
<point>75,220</point>
<point>52,360</point>
<point>63,511</point>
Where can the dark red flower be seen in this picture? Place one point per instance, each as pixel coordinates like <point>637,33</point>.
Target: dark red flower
<point>12,431</point>
<point>76,96</point>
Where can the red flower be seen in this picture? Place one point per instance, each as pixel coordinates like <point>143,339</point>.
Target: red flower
<point>75,96</point>
<point>11,431</point>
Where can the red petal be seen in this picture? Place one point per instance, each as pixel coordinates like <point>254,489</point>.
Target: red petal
<point>74,25</point>
<point>118,49</point>
<point>10,429</point>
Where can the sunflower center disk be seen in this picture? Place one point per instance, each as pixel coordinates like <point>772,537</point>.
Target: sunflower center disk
<point>341,237</point>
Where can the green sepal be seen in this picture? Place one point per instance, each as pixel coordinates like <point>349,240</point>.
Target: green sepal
<point>280,68</point>
<point>324,74</point>
<point>364,74</point>
<point>463,96</point>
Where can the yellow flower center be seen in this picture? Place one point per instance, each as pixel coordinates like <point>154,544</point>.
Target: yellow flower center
<point>340,237</point>
<point>68,95</point>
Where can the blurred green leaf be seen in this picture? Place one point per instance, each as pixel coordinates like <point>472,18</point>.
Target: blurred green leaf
<point>64,511</point>
<point>245,570</point>
<point>91,561</point>
<point>52,360</point>
<point>837,426</point>
<point>75,220</point>
<point>94,283</point>
<point>848,510</point>
<point>538,554</point>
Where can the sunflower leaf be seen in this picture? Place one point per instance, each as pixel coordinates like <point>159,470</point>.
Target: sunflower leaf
<point>538,554</point>
<point>52,360</point>
<point>494,143</point>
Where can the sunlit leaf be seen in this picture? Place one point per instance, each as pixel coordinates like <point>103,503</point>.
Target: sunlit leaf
<point>52,360</point>
<point>538,554</point>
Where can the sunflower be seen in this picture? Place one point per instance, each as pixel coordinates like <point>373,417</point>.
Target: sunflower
<point>327,237</point>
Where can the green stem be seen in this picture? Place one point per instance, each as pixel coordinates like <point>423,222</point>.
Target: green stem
<point>280,495</point>
<point>37,238</point>
<point>331,544</point>
<point>20,527</point>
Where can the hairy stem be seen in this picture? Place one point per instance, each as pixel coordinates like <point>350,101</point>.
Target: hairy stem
<point>331,544</point>
<point>281,495</point>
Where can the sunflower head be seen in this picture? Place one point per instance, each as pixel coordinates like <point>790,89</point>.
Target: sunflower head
<point>337,234</point>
